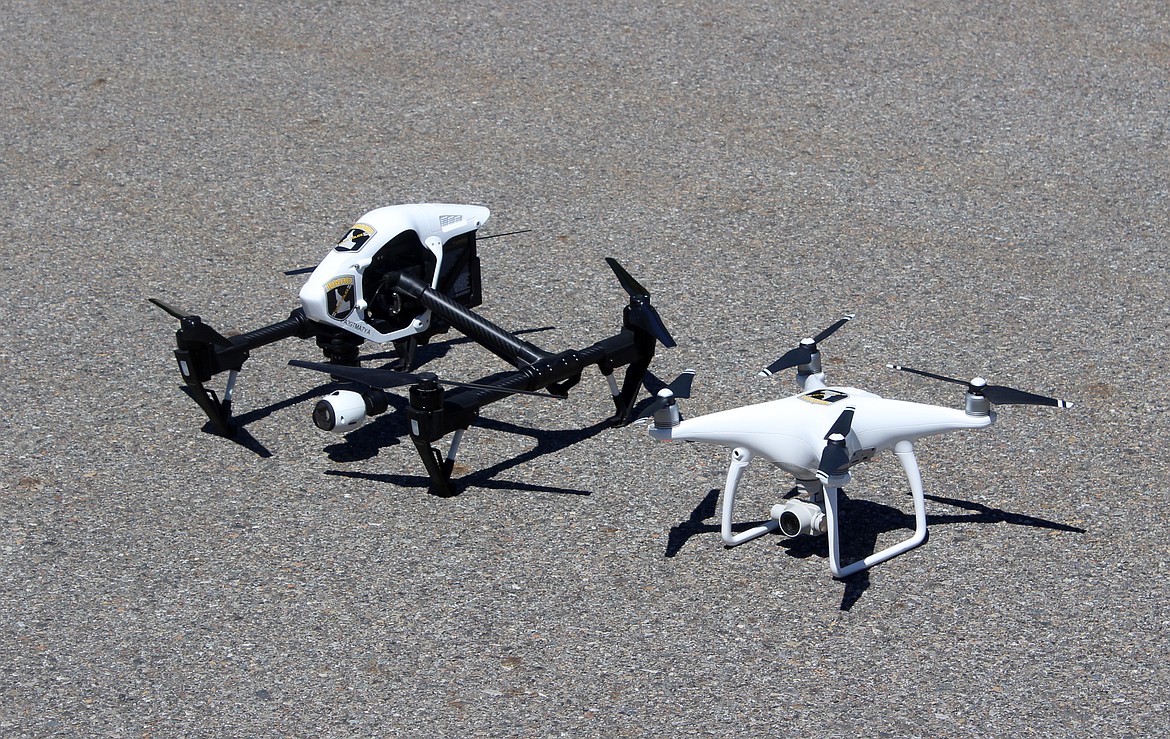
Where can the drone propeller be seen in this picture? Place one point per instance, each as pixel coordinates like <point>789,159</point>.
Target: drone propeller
<point>389,378</point>
<point>641,313</point>
<point>843,424</point>
<point>836,455</point>
<point>996,394</point>
<point>679,387</point>
<point>803,353</point>
<point>193,327</point>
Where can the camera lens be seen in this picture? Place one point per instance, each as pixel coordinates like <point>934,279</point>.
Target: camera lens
<point>323,416</point>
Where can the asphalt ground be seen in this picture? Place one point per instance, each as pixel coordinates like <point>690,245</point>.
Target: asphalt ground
<point>983,184</point>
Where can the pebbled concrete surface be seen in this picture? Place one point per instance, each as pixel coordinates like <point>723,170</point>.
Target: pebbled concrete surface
<point>985,185</point>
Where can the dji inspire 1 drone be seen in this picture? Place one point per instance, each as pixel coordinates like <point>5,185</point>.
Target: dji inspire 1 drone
<point>818,435</point>
<point>401,275</point>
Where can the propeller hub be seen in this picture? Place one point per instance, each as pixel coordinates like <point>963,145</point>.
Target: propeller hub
<point>428,380</point>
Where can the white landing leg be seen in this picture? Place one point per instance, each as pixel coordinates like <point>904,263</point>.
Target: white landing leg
<point>453,450</point>
<point>905,452</point>
<point>740,459</point>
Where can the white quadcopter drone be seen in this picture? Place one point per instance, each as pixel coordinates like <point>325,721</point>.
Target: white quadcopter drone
<point>818,435</point>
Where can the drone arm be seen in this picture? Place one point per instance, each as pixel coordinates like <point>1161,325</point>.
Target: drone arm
<point>634,345</point>
<point>297,325</point>
<point>205,358</point>
<point>433,413</point>
<point>741,457</point>
<point>904,450</point>
<point>202,353</point>
<point>498,341</point>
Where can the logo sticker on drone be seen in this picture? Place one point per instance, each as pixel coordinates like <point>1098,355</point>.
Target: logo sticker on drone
<point>339,297</point>
<point>355,238</point>
<point>824,397</point>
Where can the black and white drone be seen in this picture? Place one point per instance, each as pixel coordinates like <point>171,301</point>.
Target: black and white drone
<point>401,275</point>
<point>819,435</point>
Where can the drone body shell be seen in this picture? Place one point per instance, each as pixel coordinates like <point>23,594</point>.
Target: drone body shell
<point>334,293</point>
<point>790,432</point>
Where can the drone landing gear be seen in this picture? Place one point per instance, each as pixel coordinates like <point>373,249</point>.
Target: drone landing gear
<point>905,453</point>
<point>821,514</point>
<point>741,457</point>
<point>439,467</point>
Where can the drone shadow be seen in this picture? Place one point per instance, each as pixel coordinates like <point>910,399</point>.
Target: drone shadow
<point>867,521</point>
<point>242,436</point>
<point>547,442</point>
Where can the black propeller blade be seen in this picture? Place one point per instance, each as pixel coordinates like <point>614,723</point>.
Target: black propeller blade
<point>803,353</point>
<point>169,309</point>
<point>996,394</point>
<point>843,424</point>
<point>389,378</point>
<point>833,329</point>
<point>193,327</point>
<point>679,387</point>
<point>836,455</point>
<point>642,314</point>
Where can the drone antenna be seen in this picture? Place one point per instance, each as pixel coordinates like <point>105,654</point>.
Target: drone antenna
<point>509,233</point>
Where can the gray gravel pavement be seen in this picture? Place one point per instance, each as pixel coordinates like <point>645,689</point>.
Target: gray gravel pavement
<point>984,184</point>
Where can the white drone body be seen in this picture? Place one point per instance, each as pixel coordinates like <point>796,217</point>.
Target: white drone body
<point>344,290</point>
<point>817,436</point>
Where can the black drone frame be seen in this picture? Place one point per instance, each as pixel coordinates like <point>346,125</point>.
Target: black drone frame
<point>433,411</point>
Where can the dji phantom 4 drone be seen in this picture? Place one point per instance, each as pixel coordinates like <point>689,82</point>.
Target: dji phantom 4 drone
<point>401,275</point>
<point>819,435</point>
